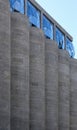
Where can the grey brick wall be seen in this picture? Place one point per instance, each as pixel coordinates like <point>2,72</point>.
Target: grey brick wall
<point>4,65</point>
<point>73,96</point>
<point>38,82</point>
<point>19,72</point>
<point>64,90</point>
<point>37,79</point>
<point>51,84</point>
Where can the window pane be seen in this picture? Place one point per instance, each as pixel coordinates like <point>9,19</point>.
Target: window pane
<point>59,38</point>
<point>33,14</point>
<point>70,48</point>
<point>47,28</point>
<point>17,5</point>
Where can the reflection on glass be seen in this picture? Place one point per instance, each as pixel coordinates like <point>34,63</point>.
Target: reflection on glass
<point>47,28</point>
<point>59,38</point>
<point>17,5</point>
<point>33,14</point>
<point>70,48</point>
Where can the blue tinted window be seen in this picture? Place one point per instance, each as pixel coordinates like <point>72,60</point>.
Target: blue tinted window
<point>47,28</point>
<point>70,48</point>
<point>17,5</point>
<point>59,38</point>
<point>33,14</point>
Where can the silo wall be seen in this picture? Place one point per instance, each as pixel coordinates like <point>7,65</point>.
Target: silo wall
<point>19,72</point>
<point>4,65</point>
<point>73,97</point>
<point>51,84</point>
<point>37,79</point>
<point>64,90</point>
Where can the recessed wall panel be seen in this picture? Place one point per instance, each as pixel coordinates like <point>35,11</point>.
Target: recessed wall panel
<point>64,90</point>
<point>73,97</point>
<point>51,84</point>
<point>37,79</point>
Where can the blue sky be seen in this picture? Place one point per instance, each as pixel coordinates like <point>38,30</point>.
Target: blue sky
<point>65,13</point>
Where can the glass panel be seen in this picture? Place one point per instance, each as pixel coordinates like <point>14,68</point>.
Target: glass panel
<point>47,28</point>
<point>17,5</point>
<point>33,14</point>
<point>70,48</point>
<point>59,39</point>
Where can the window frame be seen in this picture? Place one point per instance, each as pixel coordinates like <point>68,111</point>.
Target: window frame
<point>52,27</point>
<point>14,7</point>
<point>58,40</point>
<point>38,11</point>
<point>70,47</point>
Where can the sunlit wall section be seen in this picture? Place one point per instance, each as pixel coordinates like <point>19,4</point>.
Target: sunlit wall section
<point>47,28</point>
<point>59,38</point>
<point>33,14</point>
<point>70,47</point>
<point>17,5</point>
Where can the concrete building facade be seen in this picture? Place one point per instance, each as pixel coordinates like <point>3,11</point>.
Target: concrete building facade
<point>38,79</point>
